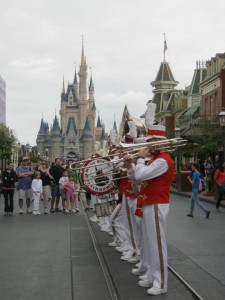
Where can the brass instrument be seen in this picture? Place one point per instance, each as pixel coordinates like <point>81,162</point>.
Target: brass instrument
<point>76,165</point>
<point>98,175</point>
<point>169,145</point>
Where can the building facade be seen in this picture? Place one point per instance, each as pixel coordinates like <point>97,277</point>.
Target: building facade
<point>206,98</point>
<point>2,101</point>
<point>213,87</point>
<point>194,99</point>
<point>170,102</point>
<point>75,134</point>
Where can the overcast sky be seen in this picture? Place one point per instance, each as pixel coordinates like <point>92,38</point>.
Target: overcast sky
<point>40,41</point>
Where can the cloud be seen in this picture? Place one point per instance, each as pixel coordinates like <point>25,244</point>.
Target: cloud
<point>41,40</point>
<point>111,106</point>
<point>33,64</point>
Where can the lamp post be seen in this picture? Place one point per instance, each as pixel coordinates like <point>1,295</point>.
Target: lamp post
<point>177,135</point>
<point>46,152</point>
<point>222,124</point>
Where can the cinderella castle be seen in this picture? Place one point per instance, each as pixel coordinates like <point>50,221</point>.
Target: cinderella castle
<point>75,136</point>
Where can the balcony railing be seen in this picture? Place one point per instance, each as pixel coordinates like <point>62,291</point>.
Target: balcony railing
<point>196,120</point>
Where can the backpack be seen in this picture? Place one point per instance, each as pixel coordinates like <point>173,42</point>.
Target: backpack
<point>200,185</point>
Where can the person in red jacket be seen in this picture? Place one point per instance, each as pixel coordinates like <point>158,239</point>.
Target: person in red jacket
<point>155,180</point>
<point>219,177</point>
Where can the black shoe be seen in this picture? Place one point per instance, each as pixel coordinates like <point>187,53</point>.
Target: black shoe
<point>52,210</point>
<point>190,215</point>
<point>207,214</point>
<point>87,208</point>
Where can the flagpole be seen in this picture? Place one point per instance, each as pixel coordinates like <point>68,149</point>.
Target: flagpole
<point>164,48</point>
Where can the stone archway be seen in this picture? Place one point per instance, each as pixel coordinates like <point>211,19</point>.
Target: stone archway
<point>72,156</point>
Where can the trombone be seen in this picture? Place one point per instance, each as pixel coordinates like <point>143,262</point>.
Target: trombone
<point>169,145</point>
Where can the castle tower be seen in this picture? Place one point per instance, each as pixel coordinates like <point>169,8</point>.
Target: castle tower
<point>88,140</point>
<point>82,102</point>
<point>41,137</point>
<point>74,135</point>
<point>55,148</point>
<point>98,129</point>
<point>76,85</point>
<point>91,105</point>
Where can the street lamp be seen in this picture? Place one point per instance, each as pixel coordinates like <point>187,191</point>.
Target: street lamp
<point>177,135</point>
<point>46,152</point>
<point>222,124</point>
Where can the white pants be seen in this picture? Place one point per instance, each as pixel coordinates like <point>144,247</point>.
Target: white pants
<point>154,218</point>
<point>36,202</point>
<point>104,221</point>
<point>135,221</point>
<point>46,195</point>
<point>116,221</point>
<point>128,227</point>
<point>144,254</point>
<point>94,200</point>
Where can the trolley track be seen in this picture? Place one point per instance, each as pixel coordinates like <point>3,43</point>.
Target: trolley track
<point>108,276</point>
<point>106,272</point>
<point>193,292</point>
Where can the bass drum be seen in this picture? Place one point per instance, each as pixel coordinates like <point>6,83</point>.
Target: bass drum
<point>97,176</point>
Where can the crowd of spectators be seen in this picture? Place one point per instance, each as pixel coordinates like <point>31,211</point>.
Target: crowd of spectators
<point>40,182</point>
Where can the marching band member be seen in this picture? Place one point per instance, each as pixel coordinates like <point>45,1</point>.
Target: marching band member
<point>116,218</point>
<point>155,181</point>
<point>129,200</point>
<point>94,200</point>
<point>116,221</point>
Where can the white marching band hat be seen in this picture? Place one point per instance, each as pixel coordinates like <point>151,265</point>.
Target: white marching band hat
<point>153,131</point>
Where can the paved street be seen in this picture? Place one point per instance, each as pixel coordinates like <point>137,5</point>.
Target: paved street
<point>197,247</point>
<point>53,256</point>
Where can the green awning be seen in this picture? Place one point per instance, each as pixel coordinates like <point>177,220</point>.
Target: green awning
<point>191,111</point>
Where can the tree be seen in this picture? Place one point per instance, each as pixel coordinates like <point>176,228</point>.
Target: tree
<point>7,139</point>
<point>208,137</point>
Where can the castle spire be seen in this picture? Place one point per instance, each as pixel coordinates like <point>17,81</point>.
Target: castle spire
<point>91,85</point>
<point>83,59</point>
<point>75,77</point>
<point>83,76</point>
<point>63,88</point>
<point>99,124</point>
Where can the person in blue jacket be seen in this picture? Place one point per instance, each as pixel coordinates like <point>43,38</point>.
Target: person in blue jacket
<point>194,180</point>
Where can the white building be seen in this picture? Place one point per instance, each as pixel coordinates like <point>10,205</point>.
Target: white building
<point>2,101</point>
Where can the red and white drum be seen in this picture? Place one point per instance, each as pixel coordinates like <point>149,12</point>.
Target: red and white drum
<point>97,176</point>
